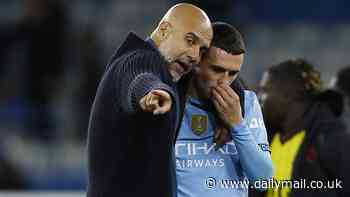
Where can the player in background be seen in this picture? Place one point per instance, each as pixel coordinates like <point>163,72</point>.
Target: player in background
<point>341,83</point>
<point>310,141</point>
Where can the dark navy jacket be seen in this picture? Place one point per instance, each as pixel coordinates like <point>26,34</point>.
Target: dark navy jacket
<point>130,152</point>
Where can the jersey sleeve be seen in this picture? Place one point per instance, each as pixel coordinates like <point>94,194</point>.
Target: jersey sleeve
<point>256,123</point>
<point>250,139</point>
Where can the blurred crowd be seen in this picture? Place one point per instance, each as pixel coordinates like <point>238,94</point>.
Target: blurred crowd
<point>41,62</point>
<point>53,52</point>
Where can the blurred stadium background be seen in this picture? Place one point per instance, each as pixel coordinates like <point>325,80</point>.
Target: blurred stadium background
<point>52,54</point>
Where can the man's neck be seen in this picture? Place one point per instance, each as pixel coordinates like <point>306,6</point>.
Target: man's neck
<point>194,93</point>
<point>294,123</point>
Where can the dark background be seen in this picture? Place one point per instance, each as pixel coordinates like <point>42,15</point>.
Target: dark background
<point>52,54</point>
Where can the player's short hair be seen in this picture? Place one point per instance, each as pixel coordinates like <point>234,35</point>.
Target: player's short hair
<point>343,80</point>
<point>228,38</point>
<point>299,76</point>
<point>303,82</point>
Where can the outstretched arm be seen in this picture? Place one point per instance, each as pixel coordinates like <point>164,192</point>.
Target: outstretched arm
<point>140,79</point>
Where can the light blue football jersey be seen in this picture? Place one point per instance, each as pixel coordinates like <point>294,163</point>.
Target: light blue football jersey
<point>203,171</point>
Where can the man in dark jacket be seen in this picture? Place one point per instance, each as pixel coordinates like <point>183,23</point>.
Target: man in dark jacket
<point>137,108</point>
<point>310,141</point>
<point>342,84</point>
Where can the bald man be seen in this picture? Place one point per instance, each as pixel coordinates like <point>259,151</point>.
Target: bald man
<point>138,106</point>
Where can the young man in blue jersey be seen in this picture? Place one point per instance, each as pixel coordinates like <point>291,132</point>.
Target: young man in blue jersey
<point>218,109</point>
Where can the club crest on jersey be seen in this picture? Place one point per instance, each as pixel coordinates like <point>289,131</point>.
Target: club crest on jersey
<point>199,124</point>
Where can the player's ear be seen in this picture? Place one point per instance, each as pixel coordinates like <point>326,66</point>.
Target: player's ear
<point>165,29</point>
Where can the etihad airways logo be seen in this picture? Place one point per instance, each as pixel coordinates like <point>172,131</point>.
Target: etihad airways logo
<point>204,148</point>
<point>200,163</point>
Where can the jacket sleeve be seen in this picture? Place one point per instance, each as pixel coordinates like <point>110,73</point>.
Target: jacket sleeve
<point>251,142</point>
<point>138,74</point>
<point>332,148</point>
